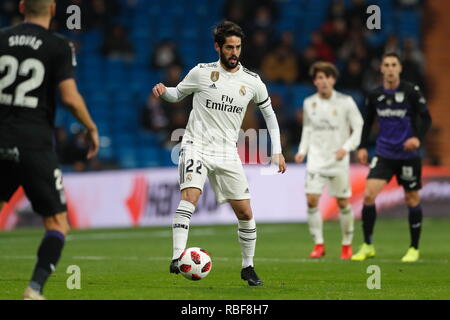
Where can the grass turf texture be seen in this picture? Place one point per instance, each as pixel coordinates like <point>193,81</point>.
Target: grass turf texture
<point>134,263</point>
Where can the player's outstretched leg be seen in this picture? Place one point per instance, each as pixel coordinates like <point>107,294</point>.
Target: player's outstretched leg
<point>180,229</point>
<point>48,255</point>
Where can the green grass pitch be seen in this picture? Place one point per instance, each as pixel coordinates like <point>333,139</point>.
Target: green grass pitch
<point>134,263</point>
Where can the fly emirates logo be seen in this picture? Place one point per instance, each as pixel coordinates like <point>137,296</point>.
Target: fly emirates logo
<point>225,105</point>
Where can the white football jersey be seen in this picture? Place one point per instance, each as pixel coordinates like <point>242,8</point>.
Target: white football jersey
<point>329,125</point>
<point>219,104</point>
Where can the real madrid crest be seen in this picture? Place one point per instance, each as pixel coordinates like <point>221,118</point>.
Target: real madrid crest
<point>399,97</point>
<point>242,91</point>
<point>334,112</point>
<point>314,105</point>
<point>215,76</point>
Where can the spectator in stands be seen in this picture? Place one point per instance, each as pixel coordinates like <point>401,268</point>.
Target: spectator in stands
<point>352,76</point>
<point>336,11</point>
<point>255,50</point>
<point>154,117</point>
<point>335,33</point>
<point>307,59</point>
<point>409,4</point>
<point>324,51</point>
<point>164,55</point>
<point>356,15</point>
<point>9,9</point>
<point>117,45</point>
<point>281,65</point>
<point>372,76</point>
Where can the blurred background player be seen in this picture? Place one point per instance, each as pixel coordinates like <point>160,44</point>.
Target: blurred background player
<point>403,122</point>
<point>332,126</point>
<point>222,90</point>
<point>35,63</point>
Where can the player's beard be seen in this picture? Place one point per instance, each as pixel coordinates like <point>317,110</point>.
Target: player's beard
<point>227,63</point>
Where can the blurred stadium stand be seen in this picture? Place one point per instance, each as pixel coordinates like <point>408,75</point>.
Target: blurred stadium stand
<point>116,89</point>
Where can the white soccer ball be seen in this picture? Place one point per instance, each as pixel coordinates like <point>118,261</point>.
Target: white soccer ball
<point>195,263</point>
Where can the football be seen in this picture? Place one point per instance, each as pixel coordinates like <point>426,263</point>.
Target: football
<point>195,263</point>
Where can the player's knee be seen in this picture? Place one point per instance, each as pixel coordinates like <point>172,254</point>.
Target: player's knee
<point>244,214</point>
<point>412,199</point>
<point>342,203</point>
<point>57,222</point>
<point>369,198</point>
<point>191,196</point>
<point>313,202</point>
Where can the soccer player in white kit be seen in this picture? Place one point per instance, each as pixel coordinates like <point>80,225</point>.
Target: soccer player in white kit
<point>332,126</point>
<point>221,92</point>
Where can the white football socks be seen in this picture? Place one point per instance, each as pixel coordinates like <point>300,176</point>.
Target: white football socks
<point>180,227</point>
<point>315,225</point>
<point>247,240</point>
<point>346,219</point>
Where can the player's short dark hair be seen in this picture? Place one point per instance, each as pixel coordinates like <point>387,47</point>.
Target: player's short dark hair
<point>37,7</point>
<point>392,55</point>
<point>328,68</point>
<point>227,29</point>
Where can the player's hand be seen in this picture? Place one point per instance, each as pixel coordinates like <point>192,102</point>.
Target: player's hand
<point>340,154</point>
<point>363,156</point>
<point>411,144</point>
<point>280,161</point>
<point>94,142</point>
<point>159,90</point>
<point>299,158</point>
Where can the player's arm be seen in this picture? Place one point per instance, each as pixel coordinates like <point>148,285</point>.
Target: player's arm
<point>168,94</point>
<point>262,100</point>
<point>421,120</point>
<point>73,100</point>
<point>356,123</point>
<point>274,131</point>
<point>305,139</point>
<point>64,73</point>
<point>189,85</point>
<point>369,118</point>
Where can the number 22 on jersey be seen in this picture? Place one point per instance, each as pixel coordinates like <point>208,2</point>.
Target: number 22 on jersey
<point>13,69</point>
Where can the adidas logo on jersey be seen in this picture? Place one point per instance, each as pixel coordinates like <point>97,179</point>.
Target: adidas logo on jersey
<point>213,86</point>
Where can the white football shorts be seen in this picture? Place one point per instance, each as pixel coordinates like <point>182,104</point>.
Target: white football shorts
<point>338,186</point>
<point>225,172</point>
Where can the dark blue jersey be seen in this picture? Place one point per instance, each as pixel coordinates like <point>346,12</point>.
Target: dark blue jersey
<point>402,113</point>
<point>33,61</point>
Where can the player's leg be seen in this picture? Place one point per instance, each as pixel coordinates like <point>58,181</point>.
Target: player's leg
<point>381,172</point>
<point>182,218</point>
<point>410,178</point>
<point>346,220</point>
<point>369,214</point>
<point>192,177</point>
<point>373,188</point>
<point>230,184</point>
<point>314,184</point>
<point>315,224</point>
<point>1,205</point>
<point>340,188</point>
<point>415,217</point>
<point>49,252</point>
<point>46,194</point>
<point>247,239</point>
